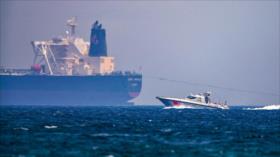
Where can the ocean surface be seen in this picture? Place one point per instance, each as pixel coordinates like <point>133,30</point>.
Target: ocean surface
<point>30,131</point>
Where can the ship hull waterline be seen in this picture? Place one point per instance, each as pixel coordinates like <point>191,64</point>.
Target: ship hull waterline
<point>69,90</point>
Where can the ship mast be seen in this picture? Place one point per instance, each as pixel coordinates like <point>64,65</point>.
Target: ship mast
<point>72,23</point>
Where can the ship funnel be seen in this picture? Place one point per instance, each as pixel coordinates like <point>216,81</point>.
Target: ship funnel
<point>98,45</point>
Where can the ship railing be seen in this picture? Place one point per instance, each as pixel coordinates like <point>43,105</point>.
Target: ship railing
<point>15,71</point>
<point>125,73</point>
<point>5,71</point>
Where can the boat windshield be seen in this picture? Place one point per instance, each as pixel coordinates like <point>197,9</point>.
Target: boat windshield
<point>191,97</point>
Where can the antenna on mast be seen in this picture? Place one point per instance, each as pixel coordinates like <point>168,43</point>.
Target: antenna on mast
<point>72,23</point>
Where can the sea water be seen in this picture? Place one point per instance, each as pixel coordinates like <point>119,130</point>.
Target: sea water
<point>29,131</point>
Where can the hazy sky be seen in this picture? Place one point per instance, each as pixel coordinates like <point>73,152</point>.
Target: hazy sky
<point>233,44</point>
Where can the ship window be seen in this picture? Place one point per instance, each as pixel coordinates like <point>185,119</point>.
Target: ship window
<point>191,97</point>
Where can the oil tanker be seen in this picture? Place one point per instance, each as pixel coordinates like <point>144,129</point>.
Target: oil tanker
<point>70,71</point>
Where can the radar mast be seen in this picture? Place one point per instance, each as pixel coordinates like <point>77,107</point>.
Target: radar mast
<point>72,23</point>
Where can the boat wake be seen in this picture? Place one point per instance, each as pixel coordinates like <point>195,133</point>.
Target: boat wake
<point>179,107</point>
<point>268,107</point>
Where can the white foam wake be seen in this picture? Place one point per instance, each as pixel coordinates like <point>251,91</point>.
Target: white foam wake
<point>50,126</point>
<point>179,107</point>
<point>268,107</point>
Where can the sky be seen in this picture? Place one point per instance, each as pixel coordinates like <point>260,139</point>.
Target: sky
<point>198,44</point>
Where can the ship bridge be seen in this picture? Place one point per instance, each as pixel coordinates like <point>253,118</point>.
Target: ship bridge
<point>71,55</point>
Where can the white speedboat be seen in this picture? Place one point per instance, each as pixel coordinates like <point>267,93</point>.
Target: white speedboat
<point>192,101</point>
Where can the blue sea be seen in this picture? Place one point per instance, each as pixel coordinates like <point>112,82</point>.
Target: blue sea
<point>137,131</point>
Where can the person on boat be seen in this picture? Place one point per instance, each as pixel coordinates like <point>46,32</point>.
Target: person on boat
<point>206,99</point>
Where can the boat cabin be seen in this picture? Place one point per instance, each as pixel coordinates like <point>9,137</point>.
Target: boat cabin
<point>204,98</point>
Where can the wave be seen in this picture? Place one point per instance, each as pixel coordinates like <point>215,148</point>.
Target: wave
<point>268,107</point>
<point>118,135</point>
<point>101,135</point>
<point>22,128</point>
<point>50,126</point>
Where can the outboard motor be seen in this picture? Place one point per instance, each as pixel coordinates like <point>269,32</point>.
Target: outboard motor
<point>98,45</point>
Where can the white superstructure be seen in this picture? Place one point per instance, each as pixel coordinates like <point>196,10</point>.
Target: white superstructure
<point>69,55</point>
